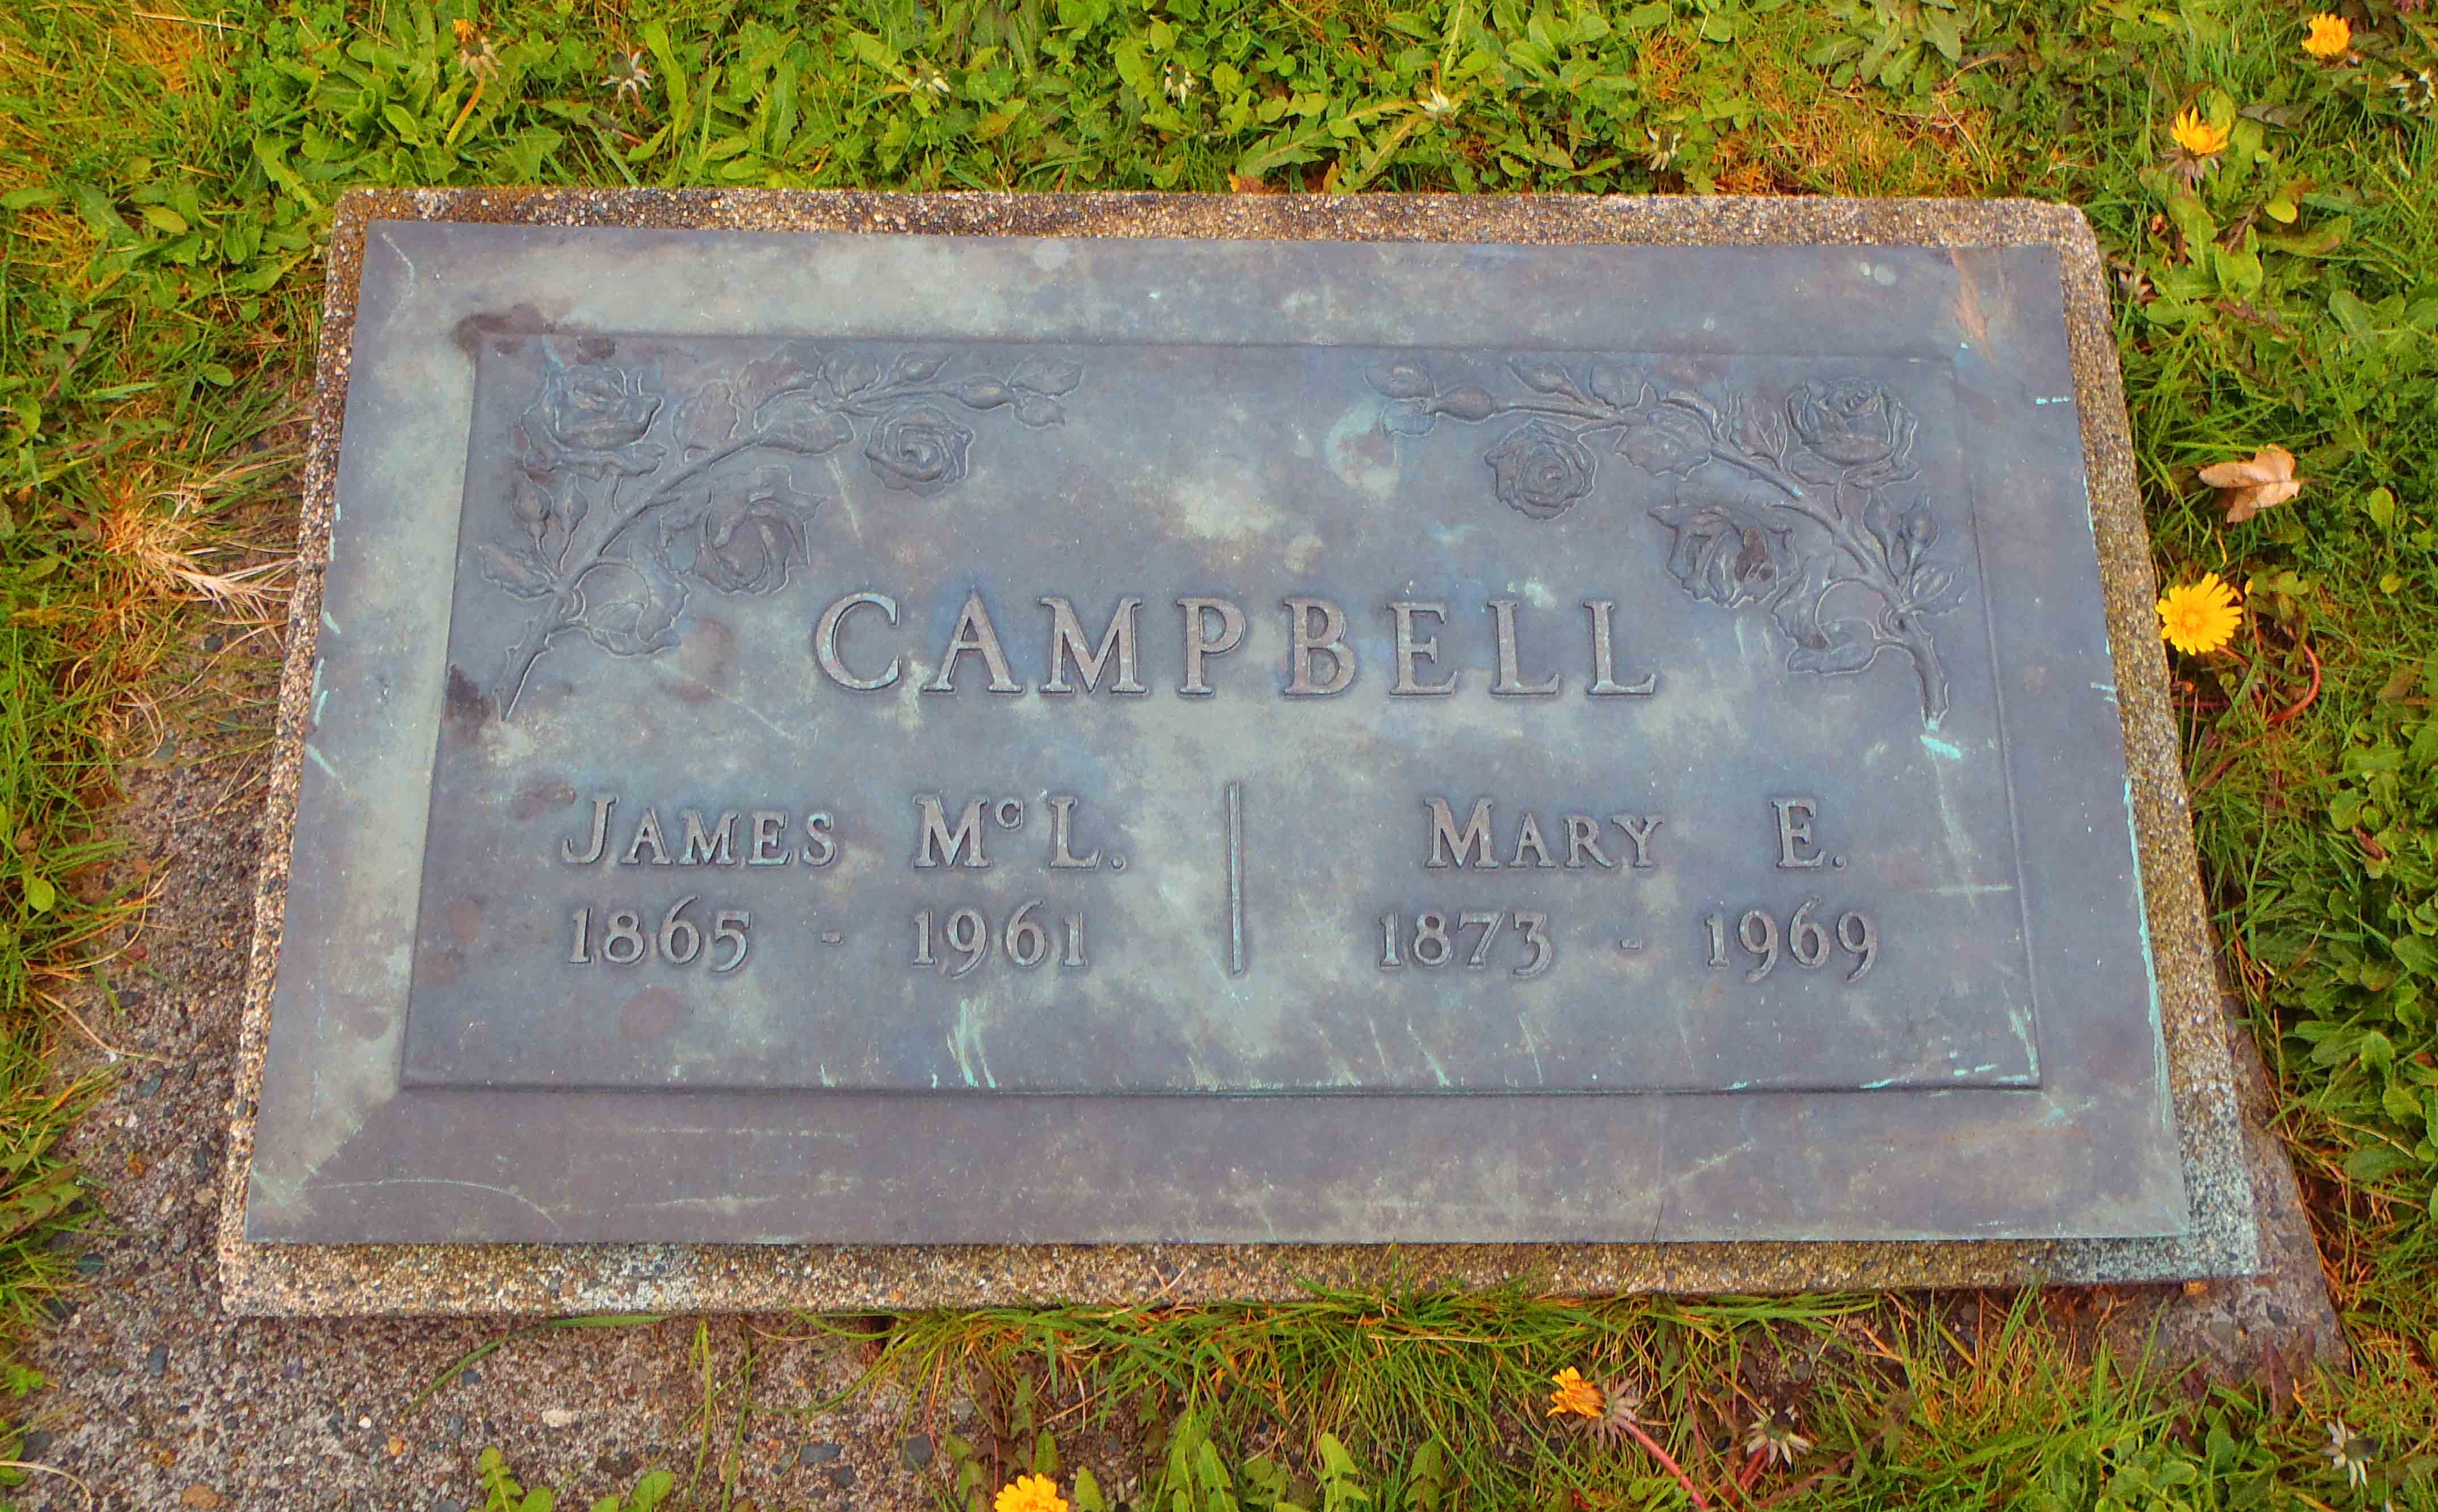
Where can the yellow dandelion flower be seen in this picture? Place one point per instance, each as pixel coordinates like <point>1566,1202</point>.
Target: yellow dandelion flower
<point>2329,37</point>
<point>2201,616</point>
<point>1574,1395</point>
<point>2197,136</point>
<point>1029,1493</point>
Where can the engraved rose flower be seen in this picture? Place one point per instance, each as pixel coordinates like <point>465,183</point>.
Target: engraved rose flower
<point>1733,546</point>
<point>599,408</point>
<point>1851,422</point>
<point>620,491</point>
<point>1786,505</point>
<point>752,534</point>
<point>1540,470</point>
<point>594,416</point>
<point>919,450</point>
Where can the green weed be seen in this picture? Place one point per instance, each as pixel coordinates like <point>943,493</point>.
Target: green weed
<point>503,1493</point>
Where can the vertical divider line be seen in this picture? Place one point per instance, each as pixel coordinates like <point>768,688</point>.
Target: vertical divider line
<point>1235,879</point>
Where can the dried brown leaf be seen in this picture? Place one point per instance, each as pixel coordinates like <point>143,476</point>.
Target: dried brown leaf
<point>2246,489</point>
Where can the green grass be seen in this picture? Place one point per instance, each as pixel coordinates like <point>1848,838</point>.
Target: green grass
<point>50,757</point>
<point>1965,1401</point>
<point>164,185</point>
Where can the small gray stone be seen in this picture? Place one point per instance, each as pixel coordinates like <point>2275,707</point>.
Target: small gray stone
<point>916,1452</point>
<point>204,1163</point>
<point>961,1411</point>
<point>88,1264</point>
<point>34,1446</point>
<point>821,1454</point>
<point>842,1477</point>
<point>158,1363</point>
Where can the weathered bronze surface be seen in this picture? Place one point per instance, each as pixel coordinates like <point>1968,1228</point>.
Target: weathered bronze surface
<point>1003,739</point>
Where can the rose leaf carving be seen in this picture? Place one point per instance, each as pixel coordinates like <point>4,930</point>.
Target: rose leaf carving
<point>1401,379</point>
<point>985,394</point>
<point>917,368</point>
<point>849,372</point>
<point>1663,439</point>
<point>708,421</point>
<point>630,605</point>
<point>1039,411</point>
<point>516,571</point>
<point>797,420</point>
<point>1047,374</point>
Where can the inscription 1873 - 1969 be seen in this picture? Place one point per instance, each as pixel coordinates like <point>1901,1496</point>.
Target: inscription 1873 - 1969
<point>1169,718</point>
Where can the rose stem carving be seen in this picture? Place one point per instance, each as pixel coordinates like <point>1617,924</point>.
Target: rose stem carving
<point>601,448</point>
<point>1778,505</point>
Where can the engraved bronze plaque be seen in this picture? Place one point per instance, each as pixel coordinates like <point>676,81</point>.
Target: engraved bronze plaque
<point>1211,740</point>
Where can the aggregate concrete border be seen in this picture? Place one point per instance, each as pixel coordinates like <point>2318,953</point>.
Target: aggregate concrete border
<point>2222,1241</point>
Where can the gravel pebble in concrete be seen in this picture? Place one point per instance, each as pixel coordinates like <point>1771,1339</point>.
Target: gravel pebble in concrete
<point>159,1398</point>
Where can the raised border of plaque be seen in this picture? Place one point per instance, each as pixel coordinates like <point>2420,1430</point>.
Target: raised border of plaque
<point>385,1247</point>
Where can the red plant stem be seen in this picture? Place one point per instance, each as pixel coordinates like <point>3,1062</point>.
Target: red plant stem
<point>1673,1469</point>
<point>1807,1483</point>
<point>1751,1471</point>
<point>2308,693</point>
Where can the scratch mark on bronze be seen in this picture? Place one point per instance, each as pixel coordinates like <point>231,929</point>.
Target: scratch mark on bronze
<point>442,1181</point>
<point>323,763</point>
<point>1236,879</point>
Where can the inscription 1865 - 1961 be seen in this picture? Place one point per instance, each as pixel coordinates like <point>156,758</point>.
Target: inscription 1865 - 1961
<point>913,680</point>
